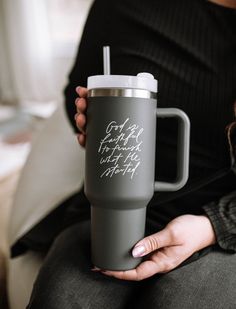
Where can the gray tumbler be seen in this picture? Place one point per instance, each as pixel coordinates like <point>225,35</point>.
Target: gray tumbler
<point>120,163</point>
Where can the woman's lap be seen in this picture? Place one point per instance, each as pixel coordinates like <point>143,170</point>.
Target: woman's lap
<point>209,282</point>
<point>66,281</point>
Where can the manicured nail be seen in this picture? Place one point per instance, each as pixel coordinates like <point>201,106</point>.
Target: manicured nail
<point>138,251</point>
<point>95,269</point>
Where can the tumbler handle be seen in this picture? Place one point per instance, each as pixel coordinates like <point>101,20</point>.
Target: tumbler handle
<point>182,149</point>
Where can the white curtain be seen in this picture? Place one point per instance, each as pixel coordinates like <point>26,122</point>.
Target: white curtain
<point>26,66</point>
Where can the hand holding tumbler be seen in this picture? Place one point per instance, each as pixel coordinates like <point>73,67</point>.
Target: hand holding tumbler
<point>120,163</point>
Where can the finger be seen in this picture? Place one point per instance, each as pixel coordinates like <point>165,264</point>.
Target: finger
<point>151,243</point>
<point>80,120</point>
<point>82,91</point>
<point>143,271</point>
<point>81,104</point>
<point>96,269</point>
<point>81,139</point>
<point>161,261</point>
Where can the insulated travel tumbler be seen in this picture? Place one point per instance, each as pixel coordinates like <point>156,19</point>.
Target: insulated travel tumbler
<point>120,163</point>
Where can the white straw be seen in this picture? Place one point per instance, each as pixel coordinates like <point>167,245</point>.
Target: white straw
<point>106,60</point>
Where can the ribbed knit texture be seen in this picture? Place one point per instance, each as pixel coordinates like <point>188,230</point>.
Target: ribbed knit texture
<point>223,219</point>
<point>190,47</point>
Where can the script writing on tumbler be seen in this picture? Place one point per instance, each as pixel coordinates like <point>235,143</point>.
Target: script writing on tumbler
<point>120,149</point>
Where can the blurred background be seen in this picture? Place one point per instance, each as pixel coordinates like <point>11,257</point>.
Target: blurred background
<point>38,43</point>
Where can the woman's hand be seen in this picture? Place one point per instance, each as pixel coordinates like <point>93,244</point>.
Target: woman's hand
<point>80,117</point>
<point>168,248</point>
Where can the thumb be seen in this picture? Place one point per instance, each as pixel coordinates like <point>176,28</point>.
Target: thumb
<point>153,242</point>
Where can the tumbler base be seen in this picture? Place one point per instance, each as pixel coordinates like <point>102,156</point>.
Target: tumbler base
<point>114,233</point>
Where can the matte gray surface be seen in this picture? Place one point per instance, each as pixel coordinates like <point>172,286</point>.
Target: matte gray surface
<point>119,172</point>
<point>119,198</point>
<point>114,233</point>
<point>120,190</point>
<point>183,146</point>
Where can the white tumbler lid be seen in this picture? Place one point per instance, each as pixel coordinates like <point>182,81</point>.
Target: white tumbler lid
<point>144,81</point>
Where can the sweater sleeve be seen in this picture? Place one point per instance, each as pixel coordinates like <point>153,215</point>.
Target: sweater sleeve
<point>222,215</point>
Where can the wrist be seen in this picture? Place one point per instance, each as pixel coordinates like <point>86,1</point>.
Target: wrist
<point>207,231</point>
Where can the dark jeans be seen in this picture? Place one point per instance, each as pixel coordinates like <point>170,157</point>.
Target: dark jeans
<point>66,281</point>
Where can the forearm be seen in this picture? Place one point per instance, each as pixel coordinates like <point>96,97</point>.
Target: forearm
<point>227,3</point>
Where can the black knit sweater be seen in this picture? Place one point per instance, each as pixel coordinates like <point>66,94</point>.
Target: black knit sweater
<point>190,47</point>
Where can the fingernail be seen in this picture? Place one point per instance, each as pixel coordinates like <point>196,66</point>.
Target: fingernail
<point>76,115</point>
<point>95,269</point>
<point>138,251</point>
<point>77,88</point>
